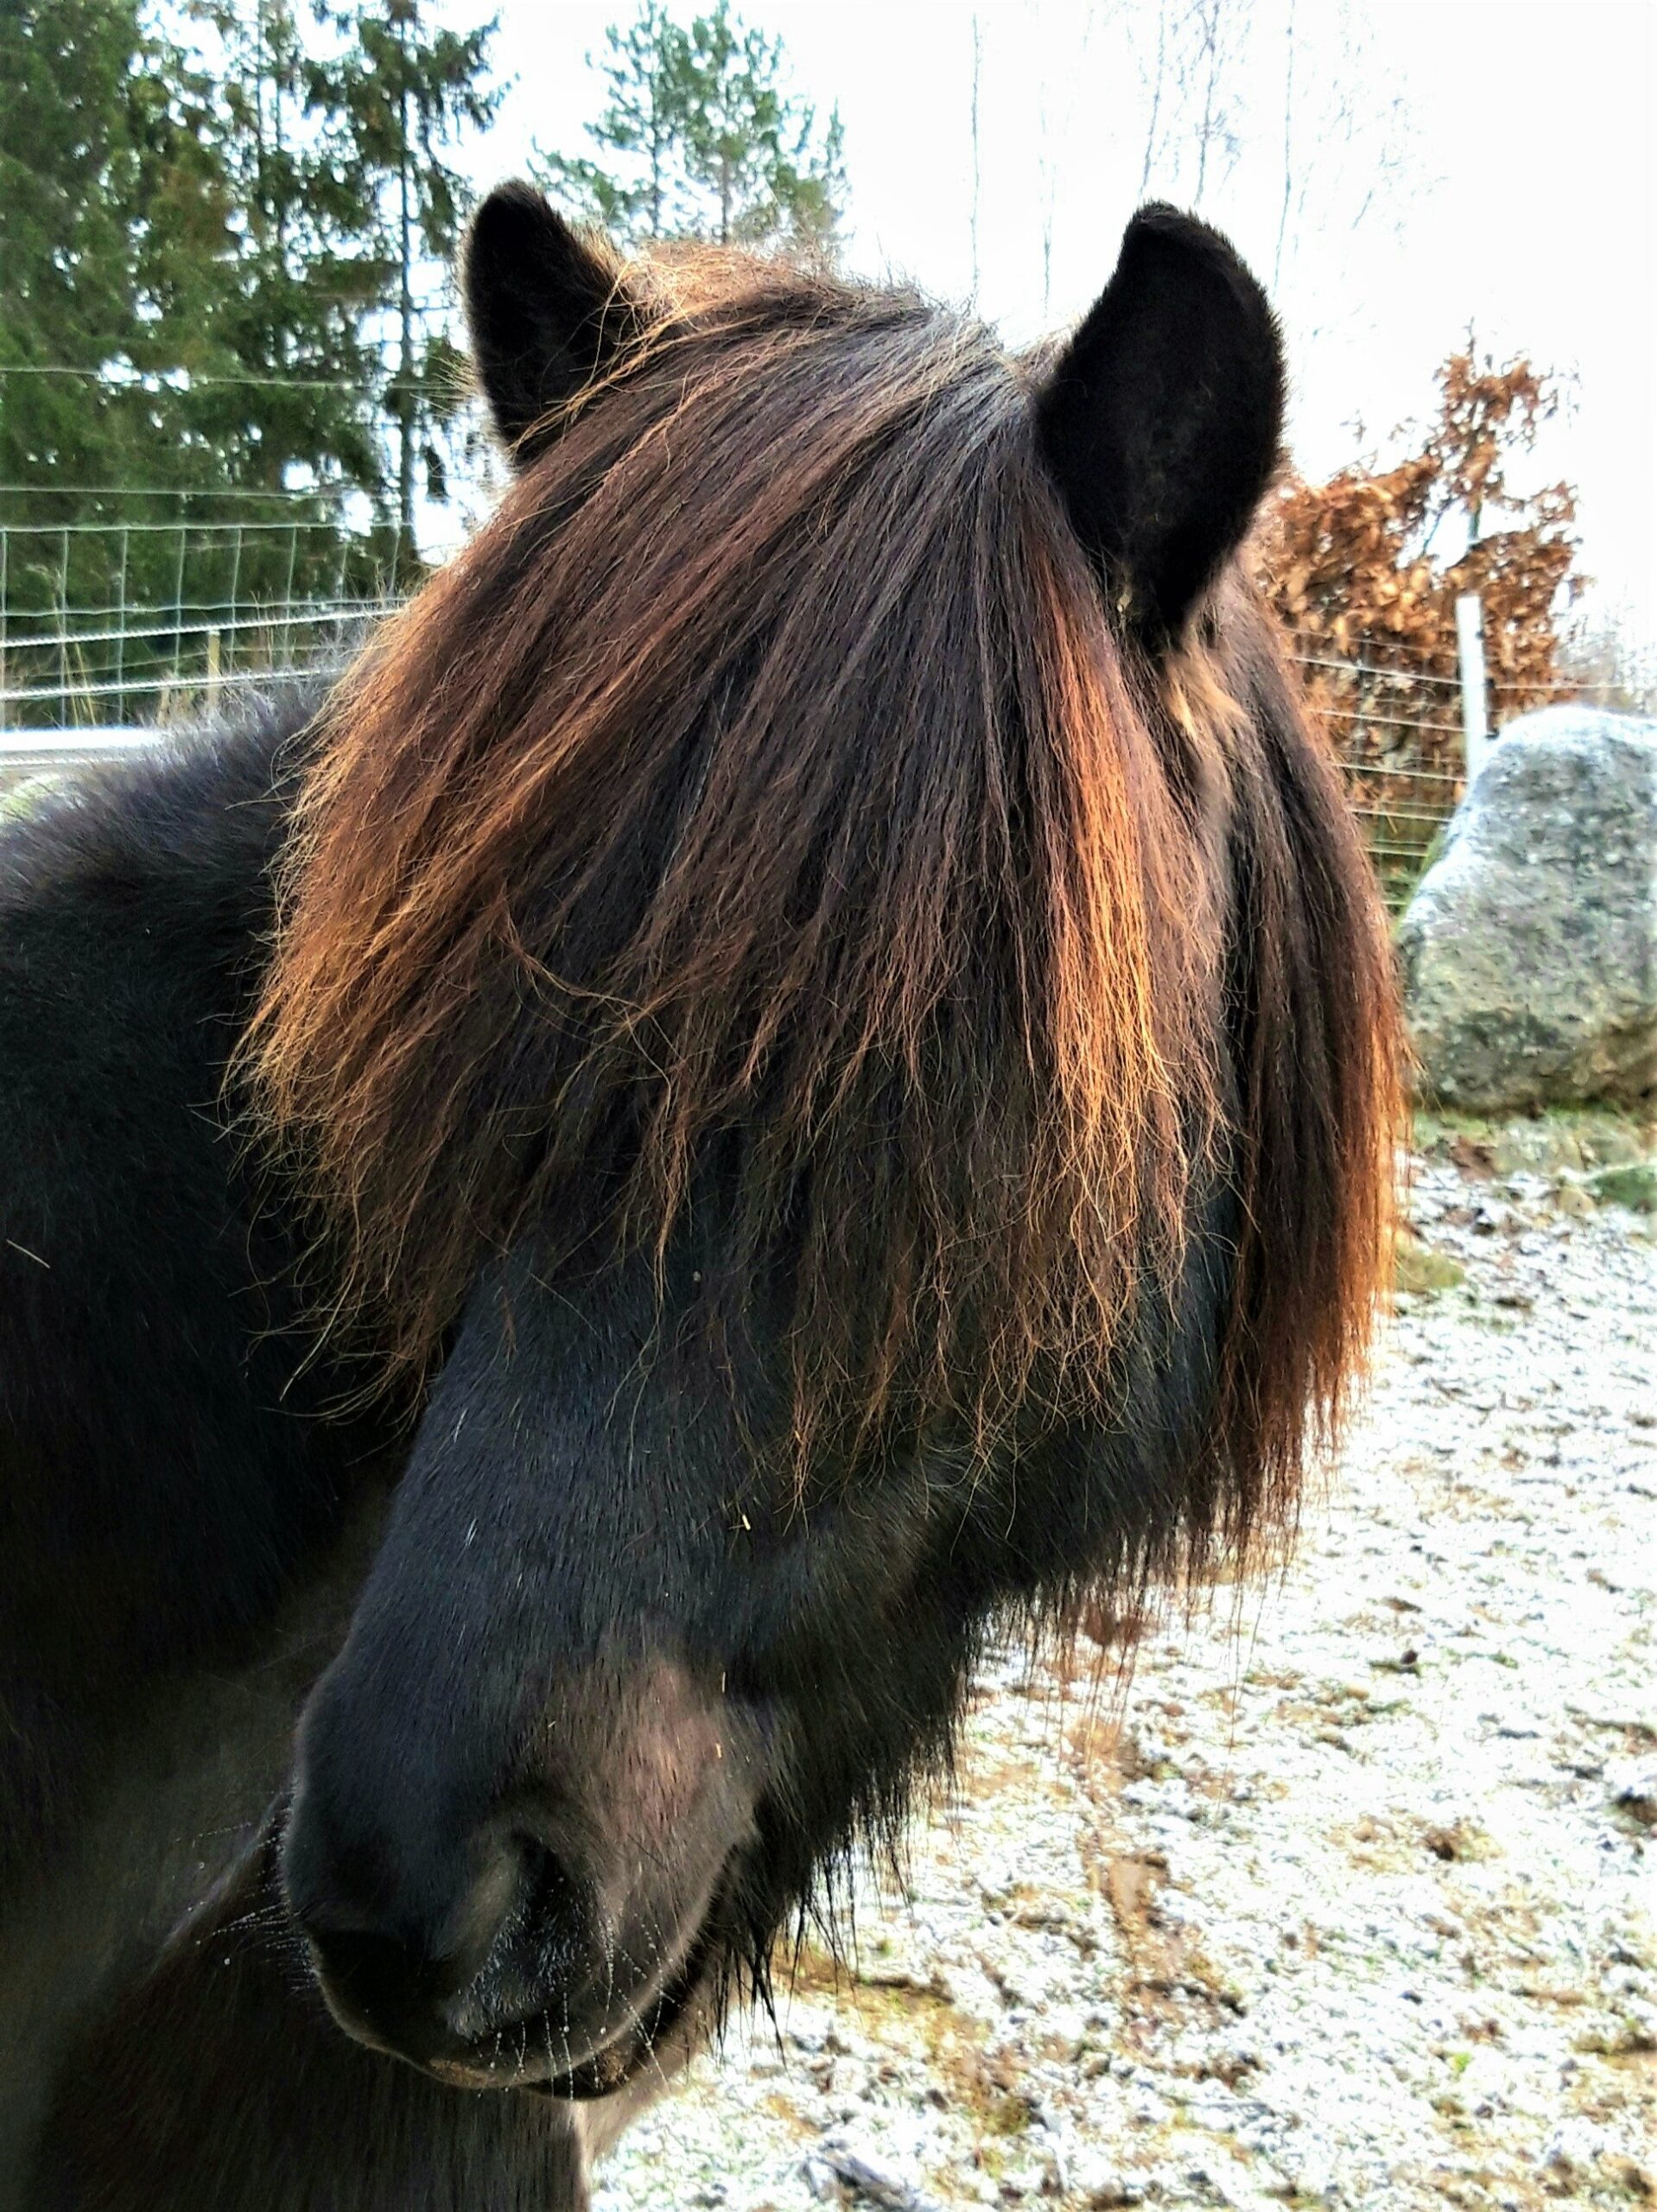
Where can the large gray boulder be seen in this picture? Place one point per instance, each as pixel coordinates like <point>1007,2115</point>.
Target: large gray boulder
<point>1529,950</point>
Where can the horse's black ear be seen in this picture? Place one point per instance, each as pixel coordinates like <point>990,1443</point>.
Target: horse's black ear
<point>546,313</point>
<point>1162,418</point>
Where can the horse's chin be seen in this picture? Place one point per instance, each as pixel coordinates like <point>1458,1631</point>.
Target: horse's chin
<point>659,2040</point>
<point>668,2028</point>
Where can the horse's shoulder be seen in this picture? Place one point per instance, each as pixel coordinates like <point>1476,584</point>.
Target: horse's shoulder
<point>155,1479</point>
<point>164,858</point>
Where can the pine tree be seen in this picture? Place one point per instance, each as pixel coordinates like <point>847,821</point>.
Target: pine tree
<point>750,150</point>
<point>651,96</point>
<point>406,91</point>
<point>112,219</point>
<point>293,313</point>
<point>207,210</point>
<point>69,175</point>
<point>700,138</point>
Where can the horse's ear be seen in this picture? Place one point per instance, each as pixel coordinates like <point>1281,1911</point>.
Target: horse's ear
<point>1162,418</point>
<point>546,312</point>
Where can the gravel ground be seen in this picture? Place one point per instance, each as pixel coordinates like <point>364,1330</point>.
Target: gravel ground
<point>1351,1898</point>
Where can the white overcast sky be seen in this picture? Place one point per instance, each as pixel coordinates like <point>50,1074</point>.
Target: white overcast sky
<point>1507,145</point>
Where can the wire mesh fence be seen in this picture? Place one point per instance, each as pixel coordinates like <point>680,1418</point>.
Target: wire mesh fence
<point>1399,728</point>
<point>1399,735</point>
<point>145,622</point>
<point>94,636</point>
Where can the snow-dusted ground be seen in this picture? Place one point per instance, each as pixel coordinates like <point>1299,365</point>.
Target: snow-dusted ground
<point>1352,1899</point>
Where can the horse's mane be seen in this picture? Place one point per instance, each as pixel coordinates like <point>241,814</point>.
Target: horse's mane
<point>763,806</point>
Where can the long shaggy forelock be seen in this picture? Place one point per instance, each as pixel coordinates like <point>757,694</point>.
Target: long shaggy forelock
<point>761,797</point>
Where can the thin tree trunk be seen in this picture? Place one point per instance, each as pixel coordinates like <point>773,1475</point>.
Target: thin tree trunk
<point>258,108</point>
<point>1288,154</point>
<point>1156,98</point>
<point>977,61</point>
<point>277,58</point>
<point>1047,254</point>
<point>406,388</point>
<point>1209,17</point>
<point>1048,189</point>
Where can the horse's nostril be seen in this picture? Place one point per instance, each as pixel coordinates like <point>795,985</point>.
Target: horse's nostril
<point>549,1899</point>
<point>407,1965</point>
<point>389,1948</point>
<point>376,1977</point>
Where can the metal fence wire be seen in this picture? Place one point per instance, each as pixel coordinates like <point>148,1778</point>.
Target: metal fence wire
<point>94,635</point>
<point>1399,736</point>
<point>1405,735</point>
<point>143,622</point>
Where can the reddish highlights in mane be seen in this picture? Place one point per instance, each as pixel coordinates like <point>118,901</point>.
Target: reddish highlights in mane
<point>762,794</point>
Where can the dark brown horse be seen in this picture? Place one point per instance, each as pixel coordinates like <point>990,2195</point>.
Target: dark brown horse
<point>811,1059</point>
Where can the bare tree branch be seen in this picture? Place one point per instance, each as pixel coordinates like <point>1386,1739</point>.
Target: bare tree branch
<point>1156,98</point>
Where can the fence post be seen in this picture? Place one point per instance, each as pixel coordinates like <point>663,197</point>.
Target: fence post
<point>1469,652</point>
<point>121,639</point>
<point>288,596</point>
<point>63,632</point>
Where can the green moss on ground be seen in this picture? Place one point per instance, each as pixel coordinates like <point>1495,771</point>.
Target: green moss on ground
<point>1570,1138</point>
<point>1633,1183</point>
<point>1421,1269</point>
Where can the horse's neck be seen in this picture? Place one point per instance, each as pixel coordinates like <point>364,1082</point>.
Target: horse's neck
<point>168,1804</point>
<point>220,2084</point>
<point>167,1495</point>
<point>161,1488</point>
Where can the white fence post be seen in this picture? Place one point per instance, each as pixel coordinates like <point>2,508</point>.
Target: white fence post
<point>1469,651</point>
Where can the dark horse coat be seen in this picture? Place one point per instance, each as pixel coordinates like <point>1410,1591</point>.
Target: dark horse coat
<point>797,1064</point>
<point>185,1533</point>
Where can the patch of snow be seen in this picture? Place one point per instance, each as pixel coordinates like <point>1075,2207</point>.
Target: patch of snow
<point>1350,1901</point>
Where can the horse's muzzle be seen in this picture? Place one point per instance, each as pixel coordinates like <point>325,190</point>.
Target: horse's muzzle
<point>534,2010</point>
<point>544,1933</point>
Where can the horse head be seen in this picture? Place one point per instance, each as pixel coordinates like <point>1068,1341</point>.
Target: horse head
<point>827,1002</point>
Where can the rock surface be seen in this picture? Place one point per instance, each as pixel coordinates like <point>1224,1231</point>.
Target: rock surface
<point>1530,947</point>
<point>1346,1899</point>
